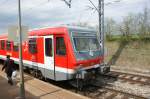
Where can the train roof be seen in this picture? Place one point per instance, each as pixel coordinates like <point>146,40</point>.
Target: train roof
<point>78,28</point>
<point>54,30</point>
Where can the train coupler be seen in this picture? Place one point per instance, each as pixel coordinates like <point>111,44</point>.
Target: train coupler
<point>104,68</point>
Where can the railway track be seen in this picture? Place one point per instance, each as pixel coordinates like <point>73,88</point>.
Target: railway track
<point>132,78</point>
<point>124,95</point>
<point>125,77</point>
<point>107,91</point>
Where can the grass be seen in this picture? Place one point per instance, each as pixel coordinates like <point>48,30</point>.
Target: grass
<point>128,38</point>
<point>134,55</point>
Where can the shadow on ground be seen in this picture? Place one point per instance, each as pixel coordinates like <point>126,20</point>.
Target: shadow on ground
<point>115,57</point>
<point>11,92</point>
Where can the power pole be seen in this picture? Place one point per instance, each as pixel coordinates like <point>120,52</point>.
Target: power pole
<point>22,90</point>
<point>101,24</point>
<point>103,30</point>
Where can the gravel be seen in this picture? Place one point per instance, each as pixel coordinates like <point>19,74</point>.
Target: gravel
<point>132,88</point>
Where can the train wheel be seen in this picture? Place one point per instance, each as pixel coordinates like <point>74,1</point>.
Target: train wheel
<point>32,72</point>
<point>27,70</point>
<point>37,74</point>
<point>40,75</point>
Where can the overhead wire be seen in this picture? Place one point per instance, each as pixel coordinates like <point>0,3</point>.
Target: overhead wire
<point>109,3</point>
<point>47,1</point>
<point>113,2</point>
<point>29,10</point>
<point>94,8</point>
<point>68,3</point>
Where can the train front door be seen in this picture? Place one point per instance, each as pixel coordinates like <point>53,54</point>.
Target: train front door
<point>49,57</point>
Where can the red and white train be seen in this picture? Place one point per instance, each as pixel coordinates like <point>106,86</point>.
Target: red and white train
<point>57,53</point>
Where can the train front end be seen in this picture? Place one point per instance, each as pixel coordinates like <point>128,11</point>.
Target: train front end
<point>88,54</point>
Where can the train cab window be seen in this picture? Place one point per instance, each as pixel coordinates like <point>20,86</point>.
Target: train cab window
<point>60,46</point>
<point>32,45</point>
<point>8,45</point>
<point>2,45</point>
<point>15,47</point>
<point>48,47</point>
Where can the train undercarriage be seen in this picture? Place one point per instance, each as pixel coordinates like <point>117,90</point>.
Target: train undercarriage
<point>88,77</point>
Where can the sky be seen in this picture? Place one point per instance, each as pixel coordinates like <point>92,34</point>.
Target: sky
<point>49,13</point>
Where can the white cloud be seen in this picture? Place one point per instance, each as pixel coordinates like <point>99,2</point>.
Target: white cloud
<point>39,13</point>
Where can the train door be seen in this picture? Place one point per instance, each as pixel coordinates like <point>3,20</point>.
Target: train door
<point>61,60</point>
<point>49,57</point>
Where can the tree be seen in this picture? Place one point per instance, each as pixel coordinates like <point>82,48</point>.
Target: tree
<point>109,28</point>
<point>126,27</point>
<point>144,23</point>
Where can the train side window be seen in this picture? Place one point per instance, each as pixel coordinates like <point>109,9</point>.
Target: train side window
<point>2,45</point>
<point>60,46</point>
<point>15,47</point>
<point>32,45</point>
<point>48,47</point>
<point>8,45</point>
